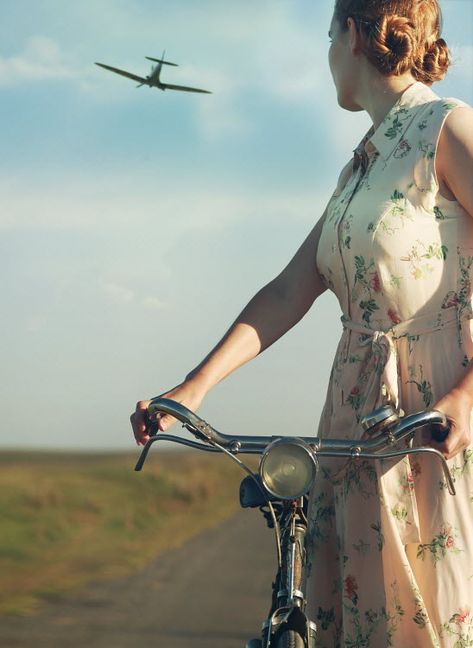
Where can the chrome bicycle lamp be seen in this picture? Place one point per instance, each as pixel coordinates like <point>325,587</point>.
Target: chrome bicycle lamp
<point>288,468</point>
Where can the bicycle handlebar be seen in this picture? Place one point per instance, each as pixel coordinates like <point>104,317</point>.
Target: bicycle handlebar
<point>211,440</point>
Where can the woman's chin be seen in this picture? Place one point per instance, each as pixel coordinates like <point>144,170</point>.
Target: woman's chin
<point>348,104</point>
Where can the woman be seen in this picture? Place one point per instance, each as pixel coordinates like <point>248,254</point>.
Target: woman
<point>392,552</point>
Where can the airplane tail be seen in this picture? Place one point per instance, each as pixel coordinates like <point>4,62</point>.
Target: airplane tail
<point>156,71</point>
<point>162,61</point>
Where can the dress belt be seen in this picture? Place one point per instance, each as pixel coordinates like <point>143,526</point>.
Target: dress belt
<point>383,382</point>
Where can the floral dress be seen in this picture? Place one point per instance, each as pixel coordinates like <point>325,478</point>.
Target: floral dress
<point>390,551</point>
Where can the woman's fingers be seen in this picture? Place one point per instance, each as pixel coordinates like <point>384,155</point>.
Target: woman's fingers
<point>457,440</point>
<point>143,424</point>
<point>164,422</point>
<point>140,422</point>
<point>456,405</point>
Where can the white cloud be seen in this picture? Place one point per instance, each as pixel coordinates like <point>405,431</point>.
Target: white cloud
<point>153,303</point>
<point>129,203</point>
<point>118,294</point>
<point>217,114</point>
<point>292,65</point>
<point>35,323</point>
<point>40,60</point>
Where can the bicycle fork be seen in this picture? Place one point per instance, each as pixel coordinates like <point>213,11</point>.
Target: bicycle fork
<point>289,614</point>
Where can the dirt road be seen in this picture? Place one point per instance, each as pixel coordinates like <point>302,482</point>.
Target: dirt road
<point>211,593</point>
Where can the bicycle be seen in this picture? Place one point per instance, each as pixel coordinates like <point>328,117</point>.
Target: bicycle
<point>287,469</point>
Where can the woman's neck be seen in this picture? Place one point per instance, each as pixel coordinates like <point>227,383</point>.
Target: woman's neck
<point>378,94</point>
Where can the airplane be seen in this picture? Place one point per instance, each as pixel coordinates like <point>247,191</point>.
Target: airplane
<point>153,80</point>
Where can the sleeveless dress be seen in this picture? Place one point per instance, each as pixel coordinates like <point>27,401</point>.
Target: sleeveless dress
<point>390,551</point>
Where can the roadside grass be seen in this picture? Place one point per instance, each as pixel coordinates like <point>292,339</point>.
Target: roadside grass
<point>70,519</point>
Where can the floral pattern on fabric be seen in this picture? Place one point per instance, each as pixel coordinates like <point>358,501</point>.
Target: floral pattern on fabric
<point>390,551</point>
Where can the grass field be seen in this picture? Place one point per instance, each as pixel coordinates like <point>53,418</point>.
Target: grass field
<point>69,519</point>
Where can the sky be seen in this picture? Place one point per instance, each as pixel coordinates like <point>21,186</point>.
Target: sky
<point>136,224</point>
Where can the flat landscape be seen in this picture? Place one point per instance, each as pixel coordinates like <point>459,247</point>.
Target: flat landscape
<point>211,592</point>
<point>71,519</point>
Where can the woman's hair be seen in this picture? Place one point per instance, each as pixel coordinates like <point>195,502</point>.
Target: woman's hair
<point>399,35</point>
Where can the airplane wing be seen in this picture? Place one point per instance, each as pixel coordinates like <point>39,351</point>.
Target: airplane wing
<point>133,77</point>
<point>169,86</point>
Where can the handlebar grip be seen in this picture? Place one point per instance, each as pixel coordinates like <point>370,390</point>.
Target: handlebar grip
<point>440,432</point>
<point>151,425</point>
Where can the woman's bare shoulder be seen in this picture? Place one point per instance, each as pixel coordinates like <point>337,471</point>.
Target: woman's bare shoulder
<point>454,163</point>
<point>459,124</point>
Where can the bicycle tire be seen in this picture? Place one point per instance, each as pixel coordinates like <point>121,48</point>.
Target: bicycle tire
<point>290,639</point>
<point>254,643</point>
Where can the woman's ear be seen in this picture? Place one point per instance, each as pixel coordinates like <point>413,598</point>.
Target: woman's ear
<point>354,36</point>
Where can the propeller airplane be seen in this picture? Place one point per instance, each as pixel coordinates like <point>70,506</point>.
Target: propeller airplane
<point>153,79</point>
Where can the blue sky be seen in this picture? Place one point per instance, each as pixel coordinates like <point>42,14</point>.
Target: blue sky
<point>135,224</point>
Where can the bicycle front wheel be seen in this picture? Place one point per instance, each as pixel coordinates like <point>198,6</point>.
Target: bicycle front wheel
<point>290,639</point>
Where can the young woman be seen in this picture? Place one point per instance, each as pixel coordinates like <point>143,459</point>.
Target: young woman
<point>390,551</point>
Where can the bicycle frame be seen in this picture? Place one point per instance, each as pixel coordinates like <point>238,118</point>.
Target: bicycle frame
<point>384,430</point>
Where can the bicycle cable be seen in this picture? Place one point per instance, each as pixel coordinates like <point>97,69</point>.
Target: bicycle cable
<point>244,467</point>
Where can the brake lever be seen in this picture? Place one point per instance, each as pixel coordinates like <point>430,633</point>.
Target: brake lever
<point>207,447</point>
<point>390,454</point>
<point>202,432</point>
<point>155,434</point>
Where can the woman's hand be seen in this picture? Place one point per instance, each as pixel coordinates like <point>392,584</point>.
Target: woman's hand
<point>457,406</point>
<point>186,393</point>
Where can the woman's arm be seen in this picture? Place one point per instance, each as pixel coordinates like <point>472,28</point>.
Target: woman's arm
<point>454,161</point>
<point>275,309</point>
<point>454,165</point>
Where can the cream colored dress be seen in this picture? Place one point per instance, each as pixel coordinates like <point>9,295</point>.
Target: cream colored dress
<point>390,552</point>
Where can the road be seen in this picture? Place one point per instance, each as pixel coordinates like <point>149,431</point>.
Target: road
<point>211,593</point>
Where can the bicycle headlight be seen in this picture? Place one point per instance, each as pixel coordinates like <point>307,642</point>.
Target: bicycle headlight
<point>288,468</point>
